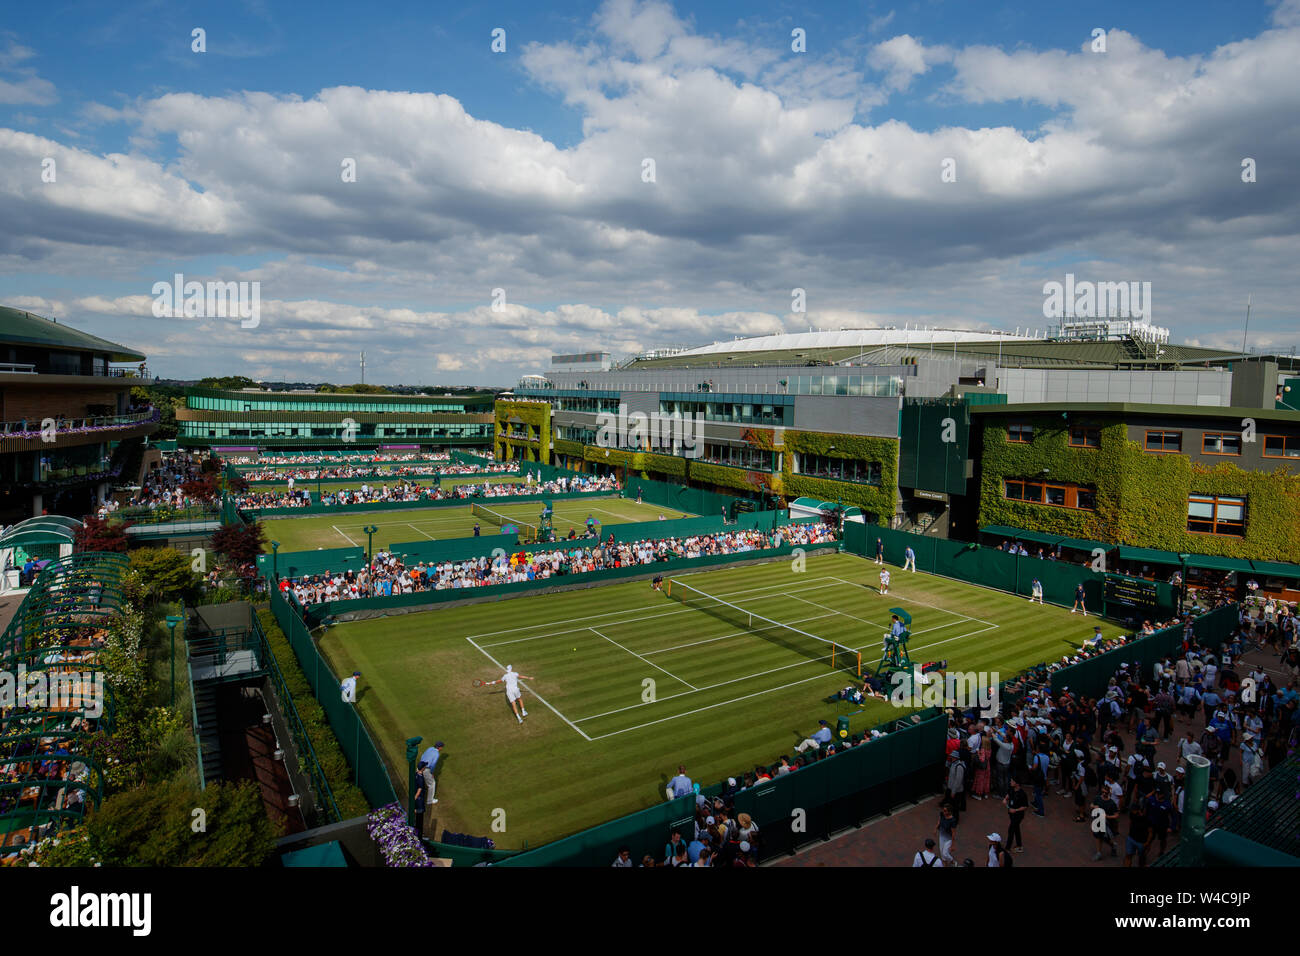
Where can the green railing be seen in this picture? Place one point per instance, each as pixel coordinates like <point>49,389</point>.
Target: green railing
<point>990,567</point>
<point>1092,676</point>
<point>791,811</point>
<point>378,606</point>
<point>194,726</point>
<point>302,740</point>
<point>363,507</point>
<point>370,771</point>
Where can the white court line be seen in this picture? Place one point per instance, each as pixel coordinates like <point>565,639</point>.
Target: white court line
<point>631,620</point>
<point>345,537</point>
<point>422,531</point>
<point>947,640</point>
<point>961,619</point>
<point>819,660</point>
<point>734,680</point>
<point>710,640</point>
<point>700,710</point>
<point>631,610</point>
<point>531,691</point>
<point>867,587</point>
<point>639,657</point>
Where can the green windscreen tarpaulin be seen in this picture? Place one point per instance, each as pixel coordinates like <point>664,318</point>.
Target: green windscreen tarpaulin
<point>1213,562</point>
<point>1039,537</point>
<point>1129,553</point>
<point>1083,544</point>
<point>1277,569</point>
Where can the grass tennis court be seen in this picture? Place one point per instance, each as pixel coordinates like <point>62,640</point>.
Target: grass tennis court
<point>345,529</point>
<point>599,740</point>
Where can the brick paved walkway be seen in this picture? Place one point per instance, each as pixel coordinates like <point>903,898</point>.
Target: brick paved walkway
<point>1051,840</point>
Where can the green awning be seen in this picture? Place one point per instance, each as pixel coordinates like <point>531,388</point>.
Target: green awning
<point>1129,553</point>
<point>1017,534</point>
<point>1083,544</point>
<point>1213,562</point>
<point>1277,569</point>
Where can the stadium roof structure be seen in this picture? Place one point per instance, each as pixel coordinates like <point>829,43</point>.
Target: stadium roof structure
<point>24,328</point>
<point>901,346</point>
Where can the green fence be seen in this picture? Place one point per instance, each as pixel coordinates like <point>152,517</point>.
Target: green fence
<point>297,564</point>
<point>464,458</point>
<point>363,507</point>
<point>420,600</point>
<point>362,755</point>
<point>705,524</point>
<point>1091,677</point>
<point>990,567</point>
<point>695,501</point>
<point>454,549</point>
<point>791,811</point>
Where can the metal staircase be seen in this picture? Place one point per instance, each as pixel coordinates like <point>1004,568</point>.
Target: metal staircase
<point>206,729</point>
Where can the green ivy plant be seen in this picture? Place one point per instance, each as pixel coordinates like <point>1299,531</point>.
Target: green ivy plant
<point>1141,497</point>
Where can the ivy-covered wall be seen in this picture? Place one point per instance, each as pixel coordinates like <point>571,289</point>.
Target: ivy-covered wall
<point>1141,497</point>
<point>878,499</point>
<point>537,417</point>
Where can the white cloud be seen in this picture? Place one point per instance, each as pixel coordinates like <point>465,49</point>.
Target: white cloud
<point>768,177</point>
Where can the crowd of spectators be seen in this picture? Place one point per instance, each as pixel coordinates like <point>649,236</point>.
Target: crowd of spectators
<point>387,456</point>
<point>414,491</point>
<point>161,487</point>
<point>1075,745</point>
<point>387,574</point>
<point>44,748</point>
<point>369,470</point>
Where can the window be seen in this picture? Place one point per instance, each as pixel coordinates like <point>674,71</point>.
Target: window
<point>1282,446</point>
<point>1216,514</point>
<point>1085,436</point>
<point>1221,443</point>
<point>1020,434</point>
<point>1164,441</point>
<point>1056,495</point>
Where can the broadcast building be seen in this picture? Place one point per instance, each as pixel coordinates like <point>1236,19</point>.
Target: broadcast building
<point>255,418</point>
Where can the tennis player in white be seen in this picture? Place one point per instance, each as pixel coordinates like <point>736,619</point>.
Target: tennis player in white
<point>513,694</point>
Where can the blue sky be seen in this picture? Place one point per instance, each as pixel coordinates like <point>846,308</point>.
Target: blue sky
<point>522,171</point>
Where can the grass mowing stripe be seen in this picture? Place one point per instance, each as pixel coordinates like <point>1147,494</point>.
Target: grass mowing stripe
<point>651,663</point>
<point>422,669</point>
<point>532,691</point>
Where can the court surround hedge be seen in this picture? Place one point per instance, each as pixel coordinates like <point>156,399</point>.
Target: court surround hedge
<point>349,799</point>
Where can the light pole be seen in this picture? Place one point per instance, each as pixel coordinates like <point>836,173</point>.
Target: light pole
<point>370,551</point>
<point>275,562</point>
<point>172,621</point>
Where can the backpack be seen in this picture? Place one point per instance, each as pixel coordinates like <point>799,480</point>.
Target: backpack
<point>1005,858</point>
<point>933,860</point>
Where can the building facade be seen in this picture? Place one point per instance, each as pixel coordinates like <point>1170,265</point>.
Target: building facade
<point>68,428</point>
<point>1120,440</point>
<point>216,418</point>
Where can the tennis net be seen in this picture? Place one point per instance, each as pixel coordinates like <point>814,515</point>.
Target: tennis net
<point>801,642</point>
<point>527,532</point>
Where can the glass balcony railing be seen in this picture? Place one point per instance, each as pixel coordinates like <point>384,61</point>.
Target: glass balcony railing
<point>33,427</point>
